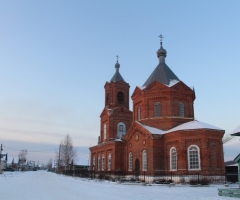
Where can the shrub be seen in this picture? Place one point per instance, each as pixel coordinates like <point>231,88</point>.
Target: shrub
<point>193,181</point>
<point>182,180</point>
<point>204,181</point>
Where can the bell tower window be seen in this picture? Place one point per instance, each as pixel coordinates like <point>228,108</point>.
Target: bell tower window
<point>120,97</point>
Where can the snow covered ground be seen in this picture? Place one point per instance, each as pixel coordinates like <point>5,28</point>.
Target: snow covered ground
<point>49,186</point>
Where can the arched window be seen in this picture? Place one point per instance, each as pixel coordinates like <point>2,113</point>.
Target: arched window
<point>121,130</point>
<point>99,167</point>
<point>157,109</point>
<point>180,109</point>
<point>109,161</point>
<point>144,160</point>
<point>139,113</point>
<point>120,97</point>
<point>193,158</point>
<point>103,162</point>
<point>130,161</point>
<point>94,163</point>
<point>104,131</point>
<point>173,159</point>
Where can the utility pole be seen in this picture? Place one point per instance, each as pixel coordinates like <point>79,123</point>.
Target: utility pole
<point>1,163</point>
<point>59,157</point>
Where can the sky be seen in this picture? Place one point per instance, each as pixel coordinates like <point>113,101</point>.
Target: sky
<point>56,56</point>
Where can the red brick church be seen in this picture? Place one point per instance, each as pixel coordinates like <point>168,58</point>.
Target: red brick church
<point>160,136</point>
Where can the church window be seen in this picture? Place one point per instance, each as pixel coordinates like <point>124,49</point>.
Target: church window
<point>121,130</point>
<point>94,163</point>
<point>180,109</point>
<point>120,97</point>
<point>173,159</point>
<point>139,113</point>
<point>103,162</point>
<point>193,158</point>
<point>104,131</point>
<point>109,161</point>
<point>99,167</point>
<point>130,161</point>
<point>157,109</point>
<point>144,160</point>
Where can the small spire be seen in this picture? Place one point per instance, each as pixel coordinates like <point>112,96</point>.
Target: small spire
<point>117,65</point>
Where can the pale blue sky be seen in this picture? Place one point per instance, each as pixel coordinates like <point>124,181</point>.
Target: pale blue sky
<point>55,57</point>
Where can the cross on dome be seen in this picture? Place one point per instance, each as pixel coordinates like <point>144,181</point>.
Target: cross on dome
<point>161,37</point>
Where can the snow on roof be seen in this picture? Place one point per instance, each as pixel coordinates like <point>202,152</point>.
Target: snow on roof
<point>152,129</point>
<point>236,130</point>
<point>193,125</point>
<point>186,126</point>
<point>172,82</point>
<point>118,140</point>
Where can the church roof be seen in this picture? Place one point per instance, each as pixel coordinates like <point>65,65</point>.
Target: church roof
<point>192,125</point>
<point>152,129</point>
<point>162,73</point>
<point>236,131</point>
<point>117,76</point>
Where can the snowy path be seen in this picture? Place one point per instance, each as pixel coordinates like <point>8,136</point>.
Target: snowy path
<point>49,186</point>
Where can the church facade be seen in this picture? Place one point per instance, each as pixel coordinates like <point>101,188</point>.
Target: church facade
<point>160,136</point>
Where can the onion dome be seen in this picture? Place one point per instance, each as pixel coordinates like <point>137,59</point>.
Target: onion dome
<point>161,52</point>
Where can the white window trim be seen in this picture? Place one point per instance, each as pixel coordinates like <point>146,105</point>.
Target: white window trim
<point>104,131</point>
<point>199,159</point>
<point>103,162</point>
<point>171,159</point>
<point>109,162</point>
<point>130,161</point>
<point>120,134</point>
<point>99,163</point>
<point>143,160</point>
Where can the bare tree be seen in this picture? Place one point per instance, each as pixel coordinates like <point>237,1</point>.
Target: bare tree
<point>49,164</point>
<point>226,138</point>
<point>22,156</point>
<point>67,152</point>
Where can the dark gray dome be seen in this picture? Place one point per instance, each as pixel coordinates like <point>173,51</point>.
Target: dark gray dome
<point>117,76</point>
<point>162,73</point>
